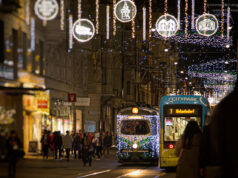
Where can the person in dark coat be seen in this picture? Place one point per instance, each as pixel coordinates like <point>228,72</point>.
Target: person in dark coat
<point>45,141</point>
<point>58,144</point>
<point>14,151</point>
<point>77,146</point>
<point>219,145</point>
<point>187,149</point>
<point>86,150</point>
<point>107,142</point>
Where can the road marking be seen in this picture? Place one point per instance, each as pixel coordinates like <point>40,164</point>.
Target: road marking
<point>95,173</point>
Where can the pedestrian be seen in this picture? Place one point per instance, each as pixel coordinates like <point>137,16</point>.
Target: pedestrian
<point>87,150</point>
<point>52,143</point>
<point>14,151</point>
<point>76,146</point>
<point>219,146</point>
<point>107,143</point>
<point>3,142</point>
<point>45,141</point>
<point>58,144</point>
<point>93,145</point>
<point>67,144</point>
<point>187,149</point>
<point>98,147</point>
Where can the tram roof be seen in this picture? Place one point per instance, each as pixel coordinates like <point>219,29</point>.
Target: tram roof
<point>142,111</point>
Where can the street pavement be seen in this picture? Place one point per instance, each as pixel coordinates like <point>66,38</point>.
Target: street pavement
<point>36,167</point>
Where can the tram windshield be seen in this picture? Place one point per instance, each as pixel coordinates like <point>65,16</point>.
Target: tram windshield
<point>175,126</point>
<point>135,127</point>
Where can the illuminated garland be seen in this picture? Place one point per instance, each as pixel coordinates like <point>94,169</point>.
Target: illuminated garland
<point>108,22</point>
<point>228,24</point>
<point>70,32</point>
<point>144,23</point>
<point>165,6</point>
<point>114,20</point>
<point>205,6</point>
<point>150,18</point>
<point>62,14</point>
<point>212,41</point>
<point>28,12</point>
<point>193,12</point>
<point>186,18</point>
<point>179,10</point>
<point>133,25</point>
<point>79,9</point>
<point>222,18</point>
<point>97,16</point>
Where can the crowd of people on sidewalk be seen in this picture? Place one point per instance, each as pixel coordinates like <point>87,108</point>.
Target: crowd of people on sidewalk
<point>81,146</point>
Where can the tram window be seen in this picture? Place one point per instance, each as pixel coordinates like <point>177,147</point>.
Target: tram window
<point>135,127</point>
<point>175,126</point>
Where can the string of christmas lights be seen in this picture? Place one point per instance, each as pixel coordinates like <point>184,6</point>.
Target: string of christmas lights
<point>193,14</point>
<point>70,33</point>
<point>62,14</point>
<point>222,18</point>
<point>179,10</point>
<point>228,24</point>
<point>150,19</point>
<point>205,6</point>
<point>114,20</point>
<point>79,9</point>
<point>144,23</point>
<point>97,17</point>
<point>28,12</point>
<point>108,22</point>
<point>165,6</point>
<point>186,18</point>
<point>133,25</point>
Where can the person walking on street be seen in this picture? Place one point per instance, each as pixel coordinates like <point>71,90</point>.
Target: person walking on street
<point>107,142</point>
<point>67,144</point>
<point>14,151</point>
<point>218,154</point>
<point>58,144</point>
<point>45,141</point>
<point>76,146</point>
<point>187,149</point>
<point>87,150</point>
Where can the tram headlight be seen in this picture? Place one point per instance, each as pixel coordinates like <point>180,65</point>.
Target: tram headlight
<point>134,145</point>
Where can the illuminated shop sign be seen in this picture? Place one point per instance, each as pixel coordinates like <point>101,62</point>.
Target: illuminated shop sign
<point>207,24</point>
<point>167,25</point>
<point>83,30</point>
<point>46,9</point>
<point>125,10</point>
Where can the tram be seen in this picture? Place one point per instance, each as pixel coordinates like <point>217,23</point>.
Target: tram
<point>175,112</point>
<point>138,134</point>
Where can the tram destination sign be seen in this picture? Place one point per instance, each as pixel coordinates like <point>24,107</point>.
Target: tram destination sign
<point>186,110</point>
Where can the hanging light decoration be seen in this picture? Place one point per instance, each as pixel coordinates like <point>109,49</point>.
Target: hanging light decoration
<point>165,6</point>
<point>79,9</point>
<point>228,24</point>
<point>28,12</point>
<point>144,23</point>
<point>150,18</point>
<point>193,14</point>
<point>222,18</point>
<point>114,20</point>
<point>179,10</point>
<point>97,16</point>
<point>70,33</point>
<point>133,25</point>
<point>186,18</point>
<point>108,22</point>
<point>205,6</point>
<point>62,14</point>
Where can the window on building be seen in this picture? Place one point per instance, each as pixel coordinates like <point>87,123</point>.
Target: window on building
<point>128,88</point>
<point>2,47</point>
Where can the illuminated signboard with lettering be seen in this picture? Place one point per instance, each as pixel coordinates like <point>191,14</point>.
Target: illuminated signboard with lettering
<point>183,110</point>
